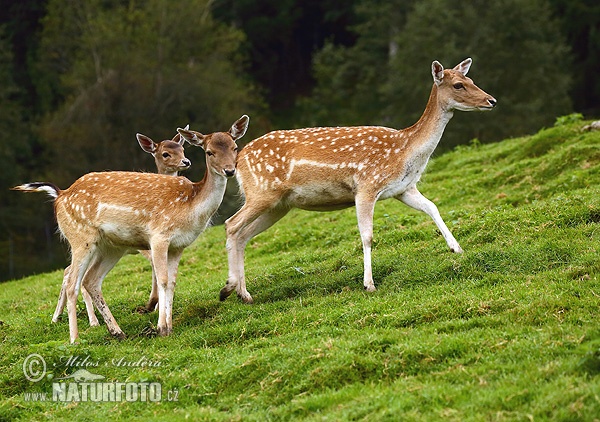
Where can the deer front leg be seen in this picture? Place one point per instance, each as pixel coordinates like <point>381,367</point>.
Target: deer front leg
<point>160,261</point>
<point>173,264</point>
<point>365,207</point>
<point>414,199</point>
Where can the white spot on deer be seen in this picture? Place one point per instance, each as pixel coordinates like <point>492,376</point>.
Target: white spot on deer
<point>269,168</point>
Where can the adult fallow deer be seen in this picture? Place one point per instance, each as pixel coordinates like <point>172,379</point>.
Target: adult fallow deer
<point>170,159</point>
<point>329,168</point>
<point>105,215</point>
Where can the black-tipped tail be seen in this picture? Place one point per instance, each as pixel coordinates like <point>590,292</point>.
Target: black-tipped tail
<point>51,189</point>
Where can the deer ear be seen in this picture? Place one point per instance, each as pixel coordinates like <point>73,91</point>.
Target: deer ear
<point>464,66</point>
<point>146,143</point>
<point>193,137</point>
<point>178,138</point>
<point>238,129</point>
<point>437,70</point>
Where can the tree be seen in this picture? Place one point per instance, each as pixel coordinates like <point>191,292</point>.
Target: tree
<point>20,221</point>
<point>141,67</point>
<point>282,36</point>
<point>517,52</point>
<point>580,22</point>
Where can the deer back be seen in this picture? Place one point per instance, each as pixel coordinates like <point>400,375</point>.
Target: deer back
<point>126,208</point>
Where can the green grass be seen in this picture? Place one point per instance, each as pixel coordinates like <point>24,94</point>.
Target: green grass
<point>508,330</point>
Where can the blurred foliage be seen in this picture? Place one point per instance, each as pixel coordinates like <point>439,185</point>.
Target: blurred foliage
<point>81,78</point>
<point>385,77</point>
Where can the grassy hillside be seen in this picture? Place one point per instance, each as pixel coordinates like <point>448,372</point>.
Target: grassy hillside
<point>509,330</point>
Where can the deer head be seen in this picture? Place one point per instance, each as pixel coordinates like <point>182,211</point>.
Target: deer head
<point>168,154</point>
<point>458,92</point>
<point>220,147</point>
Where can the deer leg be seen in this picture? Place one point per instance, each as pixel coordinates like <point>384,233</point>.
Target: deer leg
<point>80,262</point>
<point>89,307</point>
<point>93,283</point>
<point>364,214</point>
<point>62,300</point>
<point>240,229</point>
<point>153,300</point>
<point>160,251</point>
<point>62,297</point>
<point>166,307</point>
<point>414,199</point>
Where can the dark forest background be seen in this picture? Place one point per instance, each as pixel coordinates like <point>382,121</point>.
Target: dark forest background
<point>80,78</point>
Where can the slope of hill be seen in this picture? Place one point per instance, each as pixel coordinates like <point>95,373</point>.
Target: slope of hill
<point>506,331</point>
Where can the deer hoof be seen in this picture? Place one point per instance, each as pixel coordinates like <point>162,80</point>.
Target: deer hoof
<point>224,293</point>
<point>370,288</point>
<point>164,331</point>
<point>246,298</point>
<point>119,335</point>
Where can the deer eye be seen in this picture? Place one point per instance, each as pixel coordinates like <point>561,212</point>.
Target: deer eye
<point>458,85</point>
<point>166,155</point>
<point>210,153</point>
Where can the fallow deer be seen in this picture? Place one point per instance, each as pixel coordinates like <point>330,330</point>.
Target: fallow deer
<point>105,215</point>
<point>170,159</point>
<point>329,168</point>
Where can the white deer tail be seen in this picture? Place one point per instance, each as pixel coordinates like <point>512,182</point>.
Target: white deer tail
<point>52,190</point>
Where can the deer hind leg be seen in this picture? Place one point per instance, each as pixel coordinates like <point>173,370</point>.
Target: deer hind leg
<point>62,297</point>
<point>414,199</point>
<point>80,262</point>
<point>364,214</point>
<point>89,307</point>
<point>92,281</point>
<point>242,227</point>
<point>62,300</point>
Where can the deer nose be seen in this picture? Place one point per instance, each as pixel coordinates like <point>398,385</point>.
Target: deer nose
<point>229,173</point>
<point>186,162</point>
<point>492,101</point>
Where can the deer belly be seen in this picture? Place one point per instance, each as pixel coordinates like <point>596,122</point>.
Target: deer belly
<point>124,235</point>
<point>321,196</point>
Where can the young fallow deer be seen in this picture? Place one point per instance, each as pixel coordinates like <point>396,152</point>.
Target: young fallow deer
<point>322,169</point>
<point>170,159</point>
<point>105,215</point>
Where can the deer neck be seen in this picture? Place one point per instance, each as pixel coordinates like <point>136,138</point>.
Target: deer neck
<point>425,135</point>
<point>208,193</point>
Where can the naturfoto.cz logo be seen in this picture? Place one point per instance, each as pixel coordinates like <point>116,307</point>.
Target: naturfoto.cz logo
<point>83,385</point>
